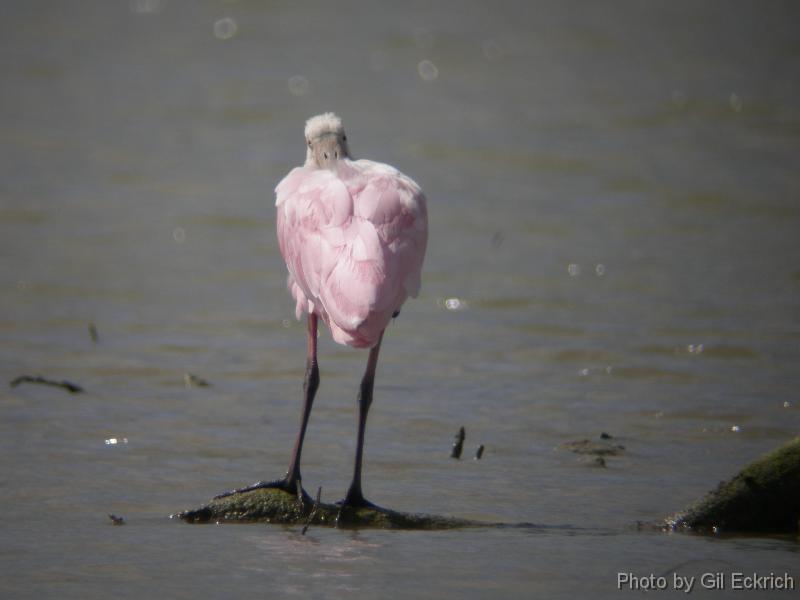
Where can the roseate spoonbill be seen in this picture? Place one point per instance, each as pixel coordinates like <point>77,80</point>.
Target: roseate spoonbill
<point>353,234</point>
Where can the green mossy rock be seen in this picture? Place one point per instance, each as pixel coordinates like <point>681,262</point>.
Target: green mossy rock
<point>763,498</point>
<point>269,505</point>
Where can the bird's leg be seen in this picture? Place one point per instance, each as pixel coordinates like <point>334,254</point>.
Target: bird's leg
<point>310,385</point>
<point>355,497</point>
<point>291,482</point>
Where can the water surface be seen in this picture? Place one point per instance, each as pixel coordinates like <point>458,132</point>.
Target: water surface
<point>613,200</point>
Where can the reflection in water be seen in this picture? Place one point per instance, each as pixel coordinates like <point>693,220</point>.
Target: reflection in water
<point>335,563</point>
<point>299,85</point>
<point>427,70</point>
<point>225,28</point>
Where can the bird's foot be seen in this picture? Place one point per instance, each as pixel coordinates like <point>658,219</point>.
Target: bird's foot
<point>286,484</point>
<point>351,503</point>
<point>355,500</point>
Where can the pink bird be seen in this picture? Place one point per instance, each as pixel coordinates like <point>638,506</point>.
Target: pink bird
<point>353,234</point>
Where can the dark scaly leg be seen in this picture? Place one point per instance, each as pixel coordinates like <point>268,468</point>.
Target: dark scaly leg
<point>355,497</point>
<point>292,482</point>
<point>310,386</point>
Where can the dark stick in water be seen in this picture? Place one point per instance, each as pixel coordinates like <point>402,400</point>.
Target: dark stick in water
<point>72,388</point>
<point>458,445</point>
<point>313,512</point>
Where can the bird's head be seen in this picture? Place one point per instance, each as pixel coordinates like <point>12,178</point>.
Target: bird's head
<point>326,143</point>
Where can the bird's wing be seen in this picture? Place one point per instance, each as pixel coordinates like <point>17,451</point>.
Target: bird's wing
<point>312,205</point>
<point>395,205</point>
<point>354,242</point>
<point>384,249</point>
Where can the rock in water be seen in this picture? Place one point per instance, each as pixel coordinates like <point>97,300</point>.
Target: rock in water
<point>269,505</point>
<point>764,497</point>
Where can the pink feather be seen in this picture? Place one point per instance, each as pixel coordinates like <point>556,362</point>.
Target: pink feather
<point>353,241</point>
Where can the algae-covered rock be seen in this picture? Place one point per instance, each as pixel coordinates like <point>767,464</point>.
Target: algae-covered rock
<point>270,505</point>
<point>764,497</point>
<point>595,448</point>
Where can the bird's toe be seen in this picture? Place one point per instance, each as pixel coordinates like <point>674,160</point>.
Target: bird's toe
<point>290,487</point>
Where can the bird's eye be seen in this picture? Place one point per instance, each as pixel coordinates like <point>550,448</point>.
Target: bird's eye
<point>309,143</point>
<point>344,138</point>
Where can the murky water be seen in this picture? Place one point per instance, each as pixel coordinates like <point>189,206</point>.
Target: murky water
<point>614,204</point>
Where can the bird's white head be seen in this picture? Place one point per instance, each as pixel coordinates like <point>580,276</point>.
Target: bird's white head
<point>326,142</point>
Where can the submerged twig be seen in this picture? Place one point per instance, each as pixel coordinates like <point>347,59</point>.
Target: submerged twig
<point>458,445</point>
<point>300,504</point>
<point>313,512</point>
<point>72,388</point>
<point>585,446</point>
<point>192,380</point>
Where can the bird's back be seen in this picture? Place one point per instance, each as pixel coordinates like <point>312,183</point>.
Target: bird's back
<point>354,241</point>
